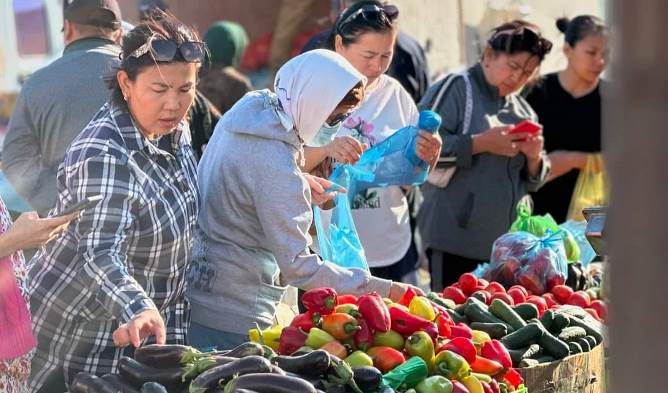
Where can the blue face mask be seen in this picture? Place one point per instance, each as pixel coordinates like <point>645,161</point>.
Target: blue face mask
<point>325,135</point>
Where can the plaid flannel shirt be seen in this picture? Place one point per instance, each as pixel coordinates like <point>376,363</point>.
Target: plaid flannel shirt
<point>128,254</point>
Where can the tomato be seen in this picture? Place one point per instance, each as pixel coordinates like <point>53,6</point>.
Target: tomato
<point>518,295</point>
<point>494,287</point>
<point>539,302</point>
<point>550,300</point>
<point>562,293</point>
<point>504,297</point>
<point>601,308</point>
<point>468,282</point>
<point>520,288</point>
<point>455,294</point>
<point>579,298</point>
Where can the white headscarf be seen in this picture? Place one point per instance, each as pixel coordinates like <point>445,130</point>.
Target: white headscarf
<point>311,85</point>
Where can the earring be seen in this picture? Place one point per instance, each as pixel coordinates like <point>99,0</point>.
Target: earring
<point>125,98</point>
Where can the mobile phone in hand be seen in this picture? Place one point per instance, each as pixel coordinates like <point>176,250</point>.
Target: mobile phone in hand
<point>525,126</point>
<point>85,203</point>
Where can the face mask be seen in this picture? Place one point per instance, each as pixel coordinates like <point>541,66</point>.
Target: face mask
<point>325,135</point>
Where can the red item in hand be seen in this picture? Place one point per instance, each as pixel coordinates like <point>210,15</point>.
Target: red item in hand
<point>375,312</point>
<point>463,347</point>
<point>494,350</point>
<point>291,340</point>
<point>320,300</point>
<point>406,323</point>
<point>525,126</point>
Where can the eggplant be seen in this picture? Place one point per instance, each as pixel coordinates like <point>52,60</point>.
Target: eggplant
<point>314,363</point>
<point>166,356</point>
<point>269,383</point>
<point>367,378</point>
<point>153,387</point>
<point>221,374</point>
<point>86,383</point>
<point>317,382</point>
<point>138,374</point>
<point>246,349</point>
<point>277,370</point>
<point>203,364</point>
<point>119,383</point>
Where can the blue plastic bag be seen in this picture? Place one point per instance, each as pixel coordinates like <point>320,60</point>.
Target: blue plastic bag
<point>577,229</point>
<point>391,162</point>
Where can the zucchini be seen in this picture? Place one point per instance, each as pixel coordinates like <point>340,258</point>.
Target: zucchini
<point>533,350</point>
<point>479,296</point>
<point>574,348</point>
<point>553,346</point>
<point>495,330</point>
<point>523,337</point>
<point>477,313</point>
<point>153,387</point>
<point>246,349</point>
<point>592,341</point>
<point>547,319</point>
<point>367,378</point>
<point>221,374</point>
<point>575,321</point>
<point>314,363</point>
<point>119,383</point>
<point>526,311</point>
<point>86,383</point>
<point>165,356</point>
<point>457,317</point>
<point>584,344</point>
<point>138,374</point>
<point>528,363</point>
<point>572,333</point>
<point>503,311</point>
<point>270,383</point>
<point>560,323</point>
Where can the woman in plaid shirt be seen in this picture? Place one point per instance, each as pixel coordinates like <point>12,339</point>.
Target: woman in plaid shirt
<point>117,274</point>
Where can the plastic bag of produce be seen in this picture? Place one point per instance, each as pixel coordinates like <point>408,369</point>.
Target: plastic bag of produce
<point>537,263</point>
<point>577,229</point>
<point>407,375</point>
<point>591,188</point>
<point>540,225</point>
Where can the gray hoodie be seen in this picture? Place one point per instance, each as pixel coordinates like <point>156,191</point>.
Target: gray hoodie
<point>254,220</point>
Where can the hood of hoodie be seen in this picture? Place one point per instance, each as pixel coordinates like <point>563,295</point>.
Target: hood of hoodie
<point>308,89</point>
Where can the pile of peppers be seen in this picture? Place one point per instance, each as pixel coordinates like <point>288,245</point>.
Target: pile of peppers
<point>414,342</point>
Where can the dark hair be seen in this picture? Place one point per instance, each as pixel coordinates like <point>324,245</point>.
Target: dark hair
<point>354,96</point>
<point>580,27</point>
<point>351,29</point>
<point>160,24</point>
<point>519,36</point>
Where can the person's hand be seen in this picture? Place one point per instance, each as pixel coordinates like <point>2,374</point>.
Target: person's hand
<point>30,231</point>
<point>532,147</point>
<point>318,185</point>
<point>398,289</point>
<point>345,149</point>
<point>428,146</point>
<point>497,140</point>
<point>146,323</point>
<point>575,159</point>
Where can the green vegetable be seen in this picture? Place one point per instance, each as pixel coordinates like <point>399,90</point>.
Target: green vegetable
<point>317,338</point>
<point>434,384</point>
<point>572,333</point>
<point>574,348</point>
<point>553,346</point>
<point>526,310</point>
<point>407,375</point>
<point>523,337</point>
<point>517,355</point>
<point>503,311</point>
<point>495,330</point>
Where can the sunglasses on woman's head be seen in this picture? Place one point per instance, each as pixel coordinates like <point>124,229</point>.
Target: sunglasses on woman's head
<point>371,13</point>
<point>166,50</point>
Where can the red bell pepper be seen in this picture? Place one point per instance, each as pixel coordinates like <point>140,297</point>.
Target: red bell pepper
<point>406,323</point>
<point>306,321</point>
<point>292,338</point>
<point>407,297</point>
<point>461,330</point>
<point>485,366</point>
<point>364,337</point>
<point>320,300</point>
<point>463,347</point>
<point>375,312</point>
<point>513,378</point>
<point>496,351</point>
<point>445,325</point>
<point>346,299</point>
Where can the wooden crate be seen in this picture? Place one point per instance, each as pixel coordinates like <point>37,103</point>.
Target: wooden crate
<point>580,373</point>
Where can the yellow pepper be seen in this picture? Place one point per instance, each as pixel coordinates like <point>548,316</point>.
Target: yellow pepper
<point>479,339</point>
<point>421,306</point>
<point>472,384</point>
<point>270,337</point>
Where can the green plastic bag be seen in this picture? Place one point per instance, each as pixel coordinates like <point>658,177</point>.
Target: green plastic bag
<point>539,225</point>
<point>407,375</point>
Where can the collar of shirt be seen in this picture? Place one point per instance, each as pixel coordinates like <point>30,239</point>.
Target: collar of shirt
<point>478,76</point>
<point>88,43</point>
<point>136,141</point>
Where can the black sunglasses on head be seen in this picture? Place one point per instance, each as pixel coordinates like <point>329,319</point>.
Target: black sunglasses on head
<point>166,50</point>
<point>371,13</point>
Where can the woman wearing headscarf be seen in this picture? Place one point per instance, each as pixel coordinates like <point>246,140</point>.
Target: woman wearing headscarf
<point>253,236</point>
<point>223,85</point>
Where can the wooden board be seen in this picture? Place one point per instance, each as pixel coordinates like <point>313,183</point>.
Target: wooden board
<point>580,373</point>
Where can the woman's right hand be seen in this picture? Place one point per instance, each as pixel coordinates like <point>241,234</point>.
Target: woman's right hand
<point>497,140</point>
<point>146,323</point>
<point>30,231</point>
<point>345,149</point>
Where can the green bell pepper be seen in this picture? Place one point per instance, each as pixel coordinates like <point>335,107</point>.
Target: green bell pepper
<point>435,384</point>
<point>451,365</point>
<point>317,338</point>
<point>420,344</point>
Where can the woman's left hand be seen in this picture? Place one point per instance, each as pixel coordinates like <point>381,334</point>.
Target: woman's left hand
<point>532,147</point>
<point>428,147</point>
<point>319,186</point>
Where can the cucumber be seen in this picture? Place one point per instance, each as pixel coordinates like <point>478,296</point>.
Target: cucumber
<point>495,330</point>
<point>572,333</point>
<point>533,350</point>
<point>523,337</point>
<point>574,348</point>
<point>553,346</point>
<point>479,296</point>
<point>547,319</point>
<point>584,344</point>
<point>477,313</point>
<point>592,341</point>
<point>575,321</point>
<point>528,363</point>
<point>457,317</point>
<point>526,311</point>
<point>503,311</point>
<point>560,323</point>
